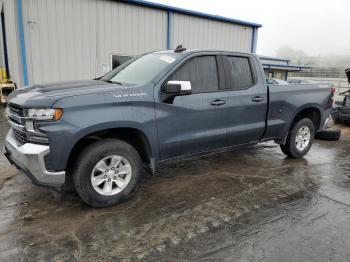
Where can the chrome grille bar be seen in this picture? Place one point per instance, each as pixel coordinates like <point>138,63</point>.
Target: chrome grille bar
<point>20,124</point>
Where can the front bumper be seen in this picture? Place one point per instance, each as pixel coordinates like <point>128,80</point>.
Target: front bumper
<point>29,158</point>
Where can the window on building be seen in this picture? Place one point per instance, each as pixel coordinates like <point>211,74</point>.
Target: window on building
<point>118,60</point>
<point>238,72</point>
<point>201,72</point>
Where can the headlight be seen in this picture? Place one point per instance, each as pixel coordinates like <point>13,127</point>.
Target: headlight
<point>45,114</point>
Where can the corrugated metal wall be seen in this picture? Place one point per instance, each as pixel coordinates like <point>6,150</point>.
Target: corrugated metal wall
<point>196,32</point>
<point>73,39</point>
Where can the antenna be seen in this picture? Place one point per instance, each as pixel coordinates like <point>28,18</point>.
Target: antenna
<point>179,49</point>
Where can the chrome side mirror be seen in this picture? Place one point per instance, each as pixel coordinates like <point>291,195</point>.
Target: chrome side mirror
<point>174,88</point>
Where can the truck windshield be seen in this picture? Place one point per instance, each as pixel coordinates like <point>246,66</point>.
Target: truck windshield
<point>140,70</point>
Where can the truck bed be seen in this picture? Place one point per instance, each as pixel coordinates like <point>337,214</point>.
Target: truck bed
<point>281,111</point>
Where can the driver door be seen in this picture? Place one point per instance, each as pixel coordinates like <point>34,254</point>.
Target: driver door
<point>197,122</point>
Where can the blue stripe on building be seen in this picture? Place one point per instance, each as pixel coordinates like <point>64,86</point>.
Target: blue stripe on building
<point>22,42</point>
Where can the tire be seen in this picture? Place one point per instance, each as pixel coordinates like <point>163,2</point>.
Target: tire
<point>90,165</point>
<point>329,134</point>
<point>290,147</point>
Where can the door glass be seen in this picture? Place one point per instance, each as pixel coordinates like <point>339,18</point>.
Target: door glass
<point>201,72</point>
<point>238,72</point>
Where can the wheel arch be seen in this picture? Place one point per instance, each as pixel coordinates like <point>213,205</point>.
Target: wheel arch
<point>312,111</point>
<point>133,135</point>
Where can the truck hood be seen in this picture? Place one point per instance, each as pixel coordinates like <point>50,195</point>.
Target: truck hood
<point>47,94</point>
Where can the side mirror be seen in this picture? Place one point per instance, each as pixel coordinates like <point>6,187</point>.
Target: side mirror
<point>177,88</point>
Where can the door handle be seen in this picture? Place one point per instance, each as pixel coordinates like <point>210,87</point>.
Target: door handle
<point>217,102</point>
<point>257,99</point>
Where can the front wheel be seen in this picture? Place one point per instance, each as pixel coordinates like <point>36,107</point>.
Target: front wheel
<point>300,139</point>
<point>106,172</point>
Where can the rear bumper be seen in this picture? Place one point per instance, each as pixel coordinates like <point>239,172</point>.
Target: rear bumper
<point>29,158</point>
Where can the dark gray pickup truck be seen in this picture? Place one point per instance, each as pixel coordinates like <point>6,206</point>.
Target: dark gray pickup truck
<point>98,135</point>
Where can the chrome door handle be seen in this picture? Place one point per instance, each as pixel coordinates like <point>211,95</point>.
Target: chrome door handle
<point>217,102</point>
<point>257,99</point>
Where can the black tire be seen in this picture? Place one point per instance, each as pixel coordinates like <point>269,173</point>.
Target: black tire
<point>87,160</point>
<point>289,148</point>
<point>329,134</point>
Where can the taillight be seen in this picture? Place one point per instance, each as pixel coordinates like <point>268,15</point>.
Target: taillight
<point>333,90</point>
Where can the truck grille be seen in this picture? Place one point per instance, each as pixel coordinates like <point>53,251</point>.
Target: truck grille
<point>18,123</point>
<point>16,110</point>
<point>15,114</point>
<point>20,136</point>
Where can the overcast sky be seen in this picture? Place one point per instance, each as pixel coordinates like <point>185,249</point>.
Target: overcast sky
<point>318,27</point>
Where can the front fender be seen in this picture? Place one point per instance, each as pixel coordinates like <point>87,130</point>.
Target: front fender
<point>81,120</point>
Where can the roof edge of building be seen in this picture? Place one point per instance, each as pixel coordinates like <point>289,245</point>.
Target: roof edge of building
<point>291,66</point>
<point>191,12</point>
<point>273,58</point>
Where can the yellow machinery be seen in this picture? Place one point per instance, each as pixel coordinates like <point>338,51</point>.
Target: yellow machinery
<point>6,86</point>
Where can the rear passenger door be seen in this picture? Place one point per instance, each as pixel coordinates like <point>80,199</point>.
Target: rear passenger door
<point>246,97</point>
<point>193,123</point>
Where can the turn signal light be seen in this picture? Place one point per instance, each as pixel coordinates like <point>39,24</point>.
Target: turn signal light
<point>58,114</point>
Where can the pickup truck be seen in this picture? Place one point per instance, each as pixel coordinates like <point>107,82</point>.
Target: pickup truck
<point>99,135</point>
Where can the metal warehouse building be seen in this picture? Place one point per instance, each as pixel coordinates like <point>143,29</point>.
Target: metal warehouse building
<point>55,40</point>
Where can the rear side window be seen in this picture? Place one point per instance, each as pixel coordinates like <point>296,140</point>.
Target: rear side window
<point>201,72</point>
<point>238,72</point>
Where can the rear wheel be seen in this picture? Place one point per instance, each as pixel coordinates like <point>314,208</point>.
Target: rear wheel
<point>300,139</point>
<point>106,172</point>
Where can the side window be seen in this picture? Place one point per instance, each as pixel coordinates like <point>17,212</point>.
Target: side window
<point>201,72</point>
<point>238,72</point>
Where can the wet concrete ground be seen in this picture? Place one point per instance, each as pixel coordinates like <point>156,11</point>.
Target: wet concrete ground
<point>248,205</point>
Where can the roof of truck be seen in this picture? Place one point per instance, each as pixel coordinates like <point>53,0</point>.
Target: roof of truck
<point>191,51</point>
